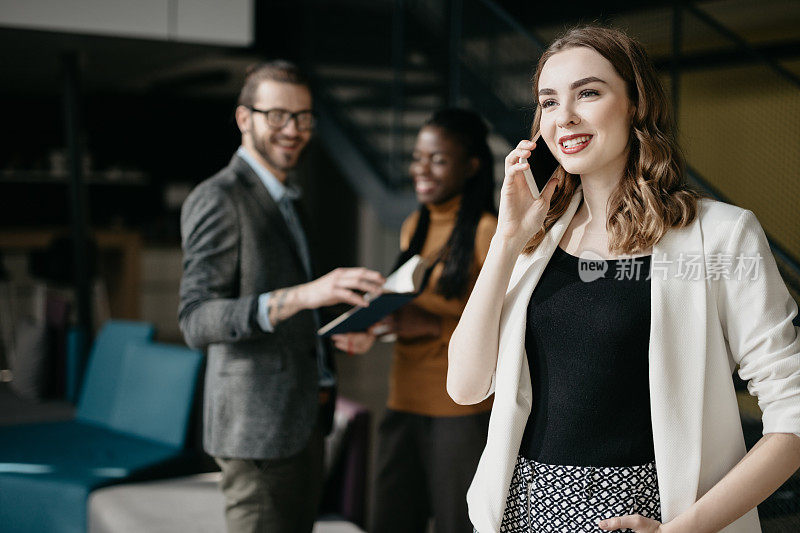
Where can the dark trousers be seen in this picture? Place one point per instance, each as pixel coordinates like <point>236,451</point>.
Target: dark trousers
<point>274,495</point>
<point>424,467</point>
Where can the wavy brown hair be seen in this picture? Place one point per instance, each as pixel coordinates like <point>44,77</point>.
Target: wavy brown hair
<point>652,196</point>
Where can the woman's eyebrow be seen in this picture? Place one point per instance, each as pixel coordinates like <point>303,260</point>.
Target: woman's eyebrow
<point>584,81</point>
<point>573,85</point>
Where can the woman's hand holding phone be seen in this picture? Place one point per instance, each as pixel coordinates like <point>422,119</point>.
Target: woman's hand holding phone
<point>521,214</point>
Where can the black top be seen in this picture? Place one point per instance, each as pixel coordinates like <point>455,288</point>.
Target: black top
<point>587,338</point>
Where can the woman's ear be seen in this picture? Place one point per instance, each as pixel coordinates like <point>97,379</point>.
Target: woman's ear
<point>243,118</point>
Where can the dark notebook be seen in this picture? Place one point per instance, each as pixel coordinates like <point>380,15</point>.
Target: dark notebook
<point>401,286</point>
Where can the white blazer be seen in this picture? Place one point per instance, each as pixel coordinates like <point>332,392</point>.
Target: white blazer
<point>700,330</point>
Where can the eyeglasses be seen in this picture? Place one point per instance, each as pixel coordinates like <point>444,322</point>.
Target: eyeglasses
<point>278,118</point>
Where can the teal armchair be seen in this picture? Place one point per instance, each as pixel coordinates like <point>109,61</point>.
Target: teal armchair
<point>131,423</point>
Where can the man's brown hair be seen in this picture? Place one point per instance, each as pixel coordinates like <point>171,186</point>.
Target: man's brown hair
<point>276,70</point>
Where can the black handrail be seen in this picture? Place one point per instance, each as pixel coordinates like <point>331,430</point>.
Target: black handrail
<point>743,44</point>
<point>506,118</point>
<point>791,266</point>
<point>454,44</point>
<point>789,263</point>
<point>398,81</point>
<point>506,17</point>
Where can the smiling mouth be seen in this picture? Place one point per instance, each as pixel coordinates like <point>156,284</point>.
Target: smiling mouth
<point>424,186</point>
<point>287,144</point>
<point>576,144</point>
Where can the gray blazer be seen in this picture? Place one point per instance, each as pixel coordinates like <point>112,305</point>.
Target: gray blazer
<point>261,392</point>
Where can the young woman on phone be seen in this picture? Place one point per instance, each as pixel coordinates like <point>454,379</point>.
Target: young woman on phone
<point>609,316</point>
<point>428,445</point>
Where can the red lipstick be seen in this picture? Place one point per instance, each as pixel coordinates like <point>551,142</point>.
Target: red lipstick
<point>574,148</point>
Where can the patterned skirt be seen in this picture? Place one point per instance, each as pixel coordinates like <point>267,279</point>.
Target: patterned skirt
<point>547,498</point>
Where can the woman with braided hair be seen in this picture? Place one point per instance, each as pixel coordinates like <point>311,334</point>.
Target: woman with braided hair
<point>428,445</point>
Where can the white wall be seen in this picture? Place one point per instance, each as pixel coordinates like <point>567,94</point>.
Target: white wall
<point>161,278</point>
<point>378,246</point>
<point>228,23</point>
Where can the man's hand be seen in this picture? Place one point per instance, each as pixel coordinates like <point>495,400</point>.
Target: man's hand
<point>337,286</point>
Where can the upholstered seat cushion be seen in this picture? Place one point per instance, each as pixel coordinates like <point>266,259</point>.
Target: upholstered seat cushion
<point>131,424</point>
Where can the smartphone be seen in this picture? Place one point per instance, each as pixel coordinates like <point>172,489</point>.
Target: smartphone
<point>542,166</point>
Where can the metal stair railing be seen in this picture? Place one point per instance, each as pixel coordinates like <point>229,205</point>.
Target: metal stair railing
<point>501,106</point>
<point>741,43</point>
<point>488,64</point>
<point>787,265</point>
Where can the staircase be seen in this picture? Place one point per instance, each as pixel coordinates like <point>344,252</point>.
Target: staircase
<point>382,67</point>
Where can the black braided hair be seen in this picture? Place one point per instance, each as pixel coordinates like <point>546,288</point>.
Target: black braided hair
<point>469,130</point>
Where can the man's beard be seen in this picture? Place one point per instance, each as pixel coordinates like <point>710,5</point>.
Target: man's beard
<point>261,146</point>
